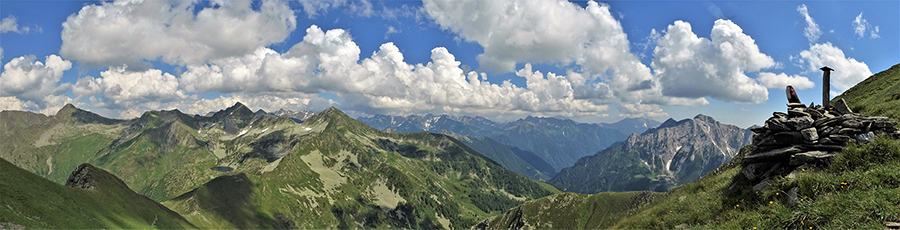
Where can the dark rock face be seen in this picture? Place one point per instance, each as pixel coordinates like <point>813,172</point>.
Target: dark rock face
<point>808,136</point>
<point>81,177</point>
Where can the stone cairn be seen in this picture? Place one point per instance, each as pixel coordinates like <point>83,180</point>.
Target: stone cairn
<point>806,136</point>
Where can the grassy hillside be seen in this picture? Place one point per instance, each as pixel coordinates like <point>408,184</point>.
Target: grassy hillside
<point>512,158</point>
<point>237,169</point>
<point>878,95</point>
<point>860,189</point>
<point>33,202</point>
<point>162,154</point>
<point>571,211</point>
<point>350,175</point>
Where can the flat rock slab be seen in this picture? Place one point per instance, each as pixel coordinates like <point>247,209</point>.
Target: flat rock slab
<point>823,147</point>
<point>797,113</point>
<point>796,105</point>
<point>773,154</point>
<point>811,156</point>
<point>892,225</point>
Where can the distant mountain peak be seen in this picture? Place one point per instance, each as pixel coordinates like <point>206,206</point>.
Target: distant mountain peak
<point>67,110</point>
<point>236,109</point>
<point>676,152</point>
<point>332,111</point>
<point>70,112</point>
<point>668,123</point>
<point>704,118</point>
<point>338,120</point>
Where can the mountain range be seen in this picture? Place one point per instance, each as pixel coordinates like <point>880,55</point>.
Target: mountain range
<point>512,158</point>
<point>558,142</point>
<point>675,153</point>
<point>240,169</point>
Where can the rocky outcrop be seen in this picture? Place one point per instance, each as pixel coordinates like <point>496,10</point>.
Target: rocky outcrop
<point>805,137</point>
<point>82,177</point>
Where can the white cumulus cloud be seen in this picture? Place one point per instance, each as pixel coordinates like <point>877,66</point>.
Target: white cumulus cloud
<point>559,32</point>
<point>780,81</point>
<point>847,71</point>
<point>693,67</point>
<point>812,31</point>
<point>860,25</point>
<point>120,88</point>
<point>34,82</point>
<point>329,61</point>
<point>9,24</point>
<point>524,31</point>
<point>131,32</point>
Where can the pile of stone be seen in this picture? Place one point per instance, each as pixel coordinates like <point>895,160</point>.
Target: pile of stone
<point>807,136</point>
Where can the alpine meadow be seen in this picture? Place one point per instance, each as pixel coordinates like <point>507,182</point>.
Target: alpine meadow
<point>449,114</point>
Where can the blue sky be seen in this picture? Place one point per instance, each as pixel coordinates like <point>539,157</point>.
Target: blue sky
<point>588,61</point>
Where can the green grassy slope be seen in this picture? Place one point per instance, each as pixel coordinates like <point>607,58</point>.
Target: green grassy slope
<point>350,175</point>
<point>860,189</point>
<point>238,169</point>
<point>33,202</point>
<point>512,158</point>
<point>571,211</point>
<point>162,154</point>
<point>878,95</point>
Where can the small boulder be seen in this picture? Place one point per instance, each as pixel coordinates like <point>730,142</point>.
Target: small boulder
<point>798,123</point>
<point>793,196</point>
<point>841,107</point>
<point>762,186</point>
<point>809,134</point>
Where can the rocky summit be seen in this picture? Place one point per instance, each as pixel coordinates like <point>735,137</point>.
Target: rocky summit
<point>806,137</point>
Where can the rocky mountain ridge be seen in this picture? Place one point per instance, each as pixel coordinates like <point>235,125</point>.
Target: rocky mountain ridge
<point>674,153</point>
<point>559,142</point>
